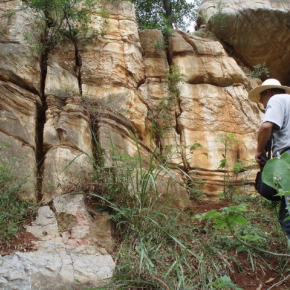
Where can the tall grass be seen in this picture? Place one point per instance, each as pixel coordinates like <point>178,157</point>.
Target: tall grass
<point>13,210</point>
<point>160,246</point>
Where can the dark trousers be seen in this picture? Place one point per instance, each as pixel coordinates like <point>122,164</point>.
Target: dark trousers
<point>283,214</point>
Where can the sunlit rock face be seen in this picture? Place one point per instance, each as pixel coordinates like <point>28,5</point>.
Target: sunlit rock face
<point>120,84</point>
<point>112,65</point>
<point>18,121</point>
<point>213,102</point>
<point>156,95</point>
<point>256,31</point>
<point>19,58</point>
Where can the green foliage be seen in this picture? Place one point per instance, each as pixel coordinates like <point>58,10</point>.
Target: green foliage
<point>61,19</point>
<point>276,174</point>
<point>241,222</point>
<point>13,210</point>
<point>229,140</point>
<point>238,167</point>
<point>159,45</point>
<point>218,19</point>
<point>162,247</point>
<point>165,111</point>
<point>165,14</point>
<point>224,283</point>
<point>195,146</point>
<point>6,20</point>
<point>227,219</point>
<point>260,70</point>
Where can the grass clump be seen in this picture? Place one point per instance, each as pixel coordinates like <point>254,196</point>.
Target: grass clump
<point>13,210</point>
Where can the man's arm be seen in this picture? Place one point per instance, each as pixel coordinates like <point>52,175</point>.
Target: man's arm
<point>264,135</point>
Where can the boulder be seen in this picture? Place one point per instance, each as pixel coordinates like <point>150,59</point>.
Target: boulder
<point>257,32</point>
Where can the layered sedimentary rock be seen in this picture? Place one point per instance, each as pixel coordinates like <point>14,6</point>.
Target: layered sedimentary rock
<point>19,59</point>
<point>256,31</point>
<point>18,115</point>
<point>67,141</point>
<point>20,82</point>
<point>213,103</point>
<point>62,76</point>
<point>112,65</point>
<point>155,93</point>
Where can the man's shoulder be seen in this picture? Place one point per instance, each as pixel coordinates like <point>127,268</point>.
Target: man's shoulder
<point>281,98</point>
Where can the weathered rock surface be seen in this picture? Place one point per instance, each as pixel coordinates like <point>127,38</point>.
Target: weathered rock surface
<point>62,75</point>
<point>257,31</point>
<point>68,141</point>
<point>213,101</point>
<point>18,114</point>
<point>19,35</point>
<point>155,93</point>
<point>71,250</point>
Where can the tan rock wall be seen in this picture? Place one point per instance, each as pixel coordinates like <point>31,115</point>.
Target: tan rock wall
<point>19,35</point>
<point>18,114</point>
<point>213,102</point>
<point>68,144</point>
<point>126,72</point>
<point>257,31</point>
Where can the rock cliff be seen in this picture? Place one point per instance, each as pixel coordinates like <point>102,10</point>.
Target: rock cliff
<point>180,97</point>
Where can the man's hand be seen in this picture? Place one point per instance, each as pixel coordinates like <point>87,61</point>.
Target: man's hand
<point>264,135</point>
<point>258,158</point>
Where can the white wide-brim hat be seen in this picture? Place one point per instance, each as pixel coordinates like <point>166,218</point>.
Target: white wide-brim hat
<point>254,95</point>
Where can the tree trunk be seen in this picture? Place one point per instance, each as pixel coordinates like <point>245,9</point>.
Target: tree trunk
<point>168,11</point>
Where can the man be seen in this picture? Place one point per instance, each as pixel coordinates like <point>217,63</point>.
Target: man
<point>276,123</point>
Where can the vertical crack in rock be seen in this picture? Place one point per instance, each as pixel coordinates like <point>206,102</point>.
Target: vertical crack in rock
<point>78,65</point>
<point>179,111</point>
<point>41,119</point>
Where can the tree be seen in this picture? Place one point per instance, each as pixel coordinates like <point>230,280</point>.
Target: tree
<point>62,19</point>
<point>165,14</point>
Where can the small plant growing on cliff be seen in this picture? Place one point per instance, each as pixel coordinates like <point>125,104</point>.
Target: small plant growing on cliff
<point>6,20</point>
<point>218,19</point>
<point>165,112</point>
<point>228,140</point>
<point>61,20</point>
<point>260,70</point>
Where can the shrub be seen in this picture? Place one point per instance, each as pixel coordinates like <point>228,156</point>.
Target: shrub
<point>13,210</point>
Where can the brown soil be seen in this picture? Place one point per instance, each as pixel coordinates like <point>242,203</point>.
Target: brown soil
<point>22,243</point>
<point>262,278</point>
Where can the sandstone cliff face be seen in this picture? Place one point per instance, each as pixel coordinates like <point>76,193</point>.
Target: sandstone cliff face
<point>213,101</point>
<point>257,31</point>
<point>111,86</point>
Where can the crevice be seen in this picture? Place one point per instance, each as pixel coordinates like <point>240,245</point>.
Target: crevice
<point>41,119</point>
<point>142,82</point>
<point>184,166</point>
<point>78,64</point>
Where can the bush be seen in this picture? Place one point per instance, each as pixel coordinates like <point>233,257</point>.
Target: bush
<point>13,210</point>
